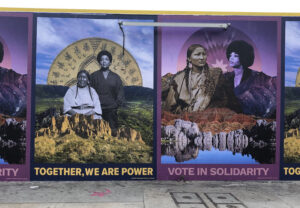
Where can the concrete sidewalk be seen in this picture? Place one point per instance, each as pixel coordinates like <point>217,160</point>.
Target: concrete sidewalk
<point>150,194</point>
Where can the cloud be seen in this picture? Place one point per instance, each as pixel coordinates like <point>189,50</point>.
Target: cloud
<point>106,24</point>
<point>147,31</point>
<point>145,58</point>
<point>141,51</point>
<point>289,84</point>
<point>292,51</point>
<point>292,66</point>
<point>40,81</point>
<point>294,56</point>
<point>47,37</point>
<point>290,78</point>
<point>108,29</point>
<point>45,64</point>
<point>292,37</point>
<point>139,42</point>
<point>54,34</point>
<point>41,76</point>
<point>148,77</point>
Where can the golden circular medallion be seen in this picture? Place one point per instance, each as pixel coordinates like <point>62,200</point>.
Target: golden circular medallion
<point>82,54</point>
<point>298,78</point>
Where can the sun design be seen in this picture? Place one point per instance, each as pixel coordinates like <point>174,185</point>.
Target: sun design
<point>82,54</point>
<point>220,64</point>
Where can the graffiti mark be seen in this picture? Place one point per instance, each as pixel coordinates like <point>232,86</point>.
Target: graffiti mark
<point>101,194</point>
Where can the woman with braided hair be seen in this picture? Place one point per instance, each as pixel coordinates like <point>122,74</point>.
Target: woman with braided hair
<point>198,86</point>
<point>82,98</point>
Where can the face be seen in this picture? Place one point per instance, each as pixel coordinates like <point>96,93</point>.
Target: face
<point>234,60</point>
<point>82,80</point>
<point>198,57</point>
<point>104,61</point>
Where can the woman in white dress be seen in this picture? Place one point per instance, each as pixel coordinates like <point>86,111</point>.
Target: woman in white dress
<point>82,98</point>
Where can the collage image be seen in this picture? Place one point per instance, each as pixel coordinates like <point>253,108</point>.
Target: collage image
<point>93,99</point>
<point>129,97</point>
<point>219,98</point>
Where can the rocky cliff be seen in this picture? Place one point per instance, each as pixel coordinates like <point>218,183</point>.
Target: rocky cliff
<point>84,127</point>
<point>214,120</point>
<point>81,139</point>
<point>13,88</point>
<point>292,121</point>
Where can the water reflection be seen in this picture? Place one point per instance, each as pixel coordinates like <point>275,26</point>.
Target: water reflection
<point>13,141</point>
<point>13,155</point>
<point>186,150</point>
<point>184,141</point>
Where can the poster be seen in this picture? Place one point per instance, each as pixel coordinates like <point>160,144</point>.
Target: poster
<point>219,99</point>
<point>87,97</point>
<point>15,65</point>
<point>94,96</point>
<point>290,157</point>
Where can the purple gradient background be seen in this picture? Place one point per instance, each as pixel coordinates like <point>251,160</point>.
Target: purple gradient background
<point>20,42</point>
<point>267,43</point>
<point>14,33</point>
<point>262,33</point>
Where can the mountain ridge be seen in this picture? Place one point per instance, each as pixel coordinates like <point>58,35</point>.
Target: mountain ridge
<point>13,90</point>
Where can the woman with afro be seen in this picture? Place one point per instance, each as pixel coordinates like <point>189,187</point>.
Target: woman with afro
<point>255,90</point>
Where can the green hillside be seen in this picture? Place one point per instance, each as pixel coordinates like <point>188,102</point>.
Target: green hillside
<point>292,100</point>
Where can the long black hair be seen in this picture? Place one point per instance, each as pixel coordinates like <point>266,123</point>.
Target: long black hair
<point>187,69</point>
<point>88,83</point>
<point>1,52</point>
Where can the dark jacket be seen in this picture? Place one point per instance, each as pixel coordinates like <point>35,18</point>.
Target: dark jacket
<point>256,93</point>
<point>110,90</point>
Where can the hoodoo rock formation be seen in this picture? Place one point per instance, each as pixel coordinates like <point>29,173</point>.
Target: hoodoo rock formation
<point>183,140</point>
<point>263,133</point>
<point>212,119</point>
<point>85,127</point>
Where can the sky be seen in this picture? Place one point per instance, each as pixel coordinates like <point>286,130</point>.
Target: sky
<point>292,52</point>
<point>260,33</point>
<point>55,34</point>
<point>14,37</point>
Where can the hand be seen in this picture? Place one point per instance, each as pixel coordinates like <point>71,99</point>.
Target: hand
<point>84,105</point>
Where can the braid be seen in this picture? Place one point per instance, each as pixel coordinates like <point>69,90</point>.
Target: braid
<point>187,64</point>
<point>90,92</point>
<point>76,91</point>
<point>88,83</point>
<point>186,71</point>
